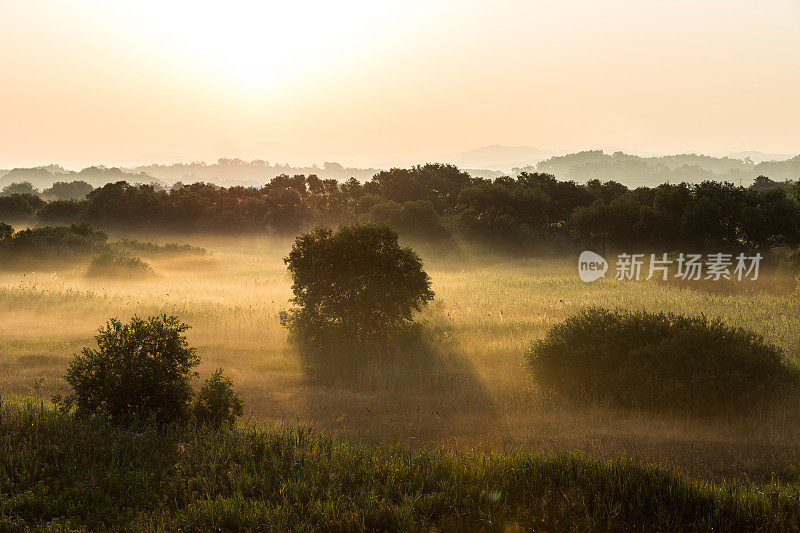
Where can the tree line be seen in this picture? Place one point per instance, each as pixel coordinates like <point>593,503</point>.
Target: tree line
<point>435,203</point>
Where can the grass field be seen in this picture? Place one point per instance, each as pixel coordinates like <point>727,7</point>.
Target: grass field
<point>59,473</point>
<point>468,390</point>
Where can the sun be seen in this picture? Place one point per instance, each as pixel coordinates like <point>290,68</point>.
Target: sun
<point>255,45</point>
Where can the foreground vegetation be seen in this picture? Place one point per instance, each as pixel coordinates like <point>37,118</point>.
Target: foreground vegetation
<point>58,472</point>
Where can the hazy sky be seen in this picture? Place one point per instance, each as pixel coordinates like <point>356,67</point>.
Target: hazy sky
<point>379,83</point>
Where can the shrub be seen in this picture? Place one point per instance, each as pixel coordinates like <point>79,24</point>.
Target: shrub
<point>118,265</point>
<point>54,245</point>
<point>59,241</point>
<point>139,369</point>
<point>356,283</point>
<point>152,249</point>
<point>658,361</point>
<point>217,404</point>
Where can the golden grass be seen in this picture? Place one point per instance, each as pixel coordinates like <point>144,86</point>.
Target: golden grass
<point>473,392</point>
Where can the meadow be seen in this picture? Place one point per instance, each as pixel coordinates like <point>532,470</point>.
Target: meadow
<point>467,389</point>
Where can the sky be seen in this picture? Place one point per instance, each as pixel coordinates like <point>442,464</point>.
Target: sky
<point>392,83</point>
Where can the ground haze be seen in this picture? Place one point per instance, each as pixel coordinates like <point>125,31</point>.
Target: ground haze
<point>468,387</point>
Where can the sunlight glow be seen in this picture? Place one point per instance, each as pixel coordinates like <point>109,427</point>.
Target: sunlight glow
<point>382,84</point>
<point>256,45</point>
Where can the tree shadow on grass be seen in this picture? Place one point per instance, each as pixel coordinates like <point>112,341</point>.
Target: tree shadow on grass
<point>413,388</point>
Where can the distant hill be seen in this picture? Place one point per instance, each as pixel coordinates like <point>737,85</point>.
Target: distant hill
<point>229,172</point>
<point>485,173</point>
<point>486,162</point>
<point>44,177</point>
<point>635,170</point>
<point>759,157</point>
<point>225,172</point>
<point>498,157</point>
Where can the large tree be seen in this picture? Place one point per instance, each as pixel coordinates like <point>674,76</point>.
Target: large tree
<point>355,283</point>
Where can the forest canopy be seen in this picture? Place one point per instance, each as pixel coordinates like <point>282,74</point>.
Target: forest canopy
<point>435,202</point>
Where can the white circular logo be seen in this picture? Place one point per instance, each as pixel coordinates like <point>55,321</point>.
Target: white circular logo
<point>591,266</point>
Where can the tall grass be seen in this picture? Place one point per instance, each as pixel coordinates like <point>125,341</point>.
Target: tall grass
<point>61,473</point>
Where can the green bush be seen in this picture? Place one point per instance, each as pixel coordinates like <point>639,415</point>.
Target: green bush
<point>138,370</point>
<point>67,244</point>
<point>217,404</point>
<point>658,361</point>
<point>118,265</point>
<point>152,249</point>
<point>53,243</point>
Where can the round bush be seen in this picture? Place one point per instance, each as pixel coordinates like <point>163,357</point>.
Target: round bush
<point>138,370</point>
<point>659,361</point>
<point>217,404</point>
<point>118,265</point>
